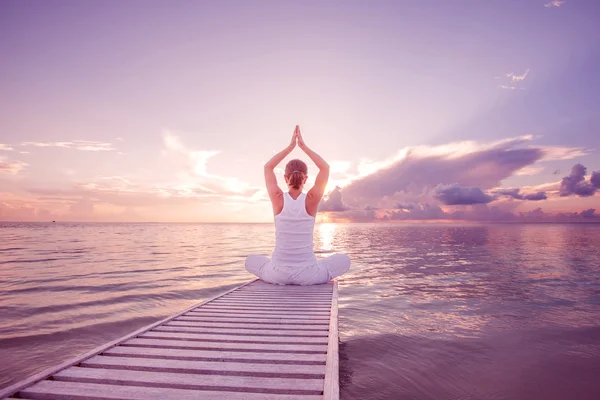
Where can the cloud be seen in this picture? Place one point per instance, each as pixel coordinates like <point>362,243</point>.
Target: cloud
<point>192,166</point>
<point>552,153</point>
<point>533,214</point>
<point>455,194</point>
<point>84,145</point>
<point>589,213</point>
<point>485,212</point>
<point>463,182</point>
<point>529,170</point>
<point>539,215</point>
<point>339,167</point>
<point>333,202</point>
<point>416,171</point>
<point>193,161</point>
<point>181,187</point>
<point>418,212</point>
<point>5,147</point>
<point>550,188</point>
<point>11,167</point>
<point>517,78</point>
<point>513,80</point>
<point>595,179</point>
<point>516,194</point>
<point>413,174</point>
<point>535,196</point>
<point>575,184</point>
<point>554,3</point>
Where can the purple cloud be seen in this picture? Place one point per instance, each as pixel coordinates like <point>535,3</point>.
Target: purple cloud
<point>535,196</point>
<point>407,207</point>
<point>516,194</point>
<point>482,212</point>
<point>589,213</point>
<point>595,179</point>
<point>455,195</point>
<point>483,167</point>
<point>417,212</point>
<point>333,201</point>
<point>575,182</point>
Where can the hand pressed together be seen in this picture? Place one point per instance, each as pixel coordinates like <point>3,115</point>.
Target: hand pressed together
<point>297,139</point>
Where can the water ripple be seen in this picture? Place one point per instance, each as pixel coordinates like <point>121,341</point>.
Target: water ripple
<point>505,312</point>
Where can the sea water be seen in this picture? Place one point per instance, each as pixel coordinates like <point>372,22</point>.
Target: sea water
<point>427,311</point>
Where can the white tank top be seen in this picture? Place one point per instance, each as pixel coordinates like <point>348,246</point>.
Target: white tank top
<point>294,234</point>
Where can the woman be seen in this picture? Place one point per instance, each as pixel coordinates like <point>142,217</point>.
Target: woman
<point>293,261</point>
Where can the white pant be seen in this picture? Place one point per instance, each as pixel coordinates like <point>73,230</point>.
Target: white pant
<point>322,272</point>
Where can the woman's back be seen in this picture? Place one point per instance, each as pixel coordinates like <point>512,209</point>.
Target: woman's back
<point>293,261</point>
<point>294,234</point>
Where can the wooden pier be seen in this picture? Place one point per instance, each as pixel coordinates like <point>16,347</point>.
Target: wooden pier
<point>257,341</point>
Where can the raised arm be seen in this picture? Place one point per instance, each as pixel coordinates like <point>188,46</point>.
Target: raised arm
<point>315,194</point>
<point>273,189</point>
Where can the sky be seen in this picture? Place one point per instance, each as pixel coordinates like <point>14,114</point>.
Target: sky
<point>426,110</point>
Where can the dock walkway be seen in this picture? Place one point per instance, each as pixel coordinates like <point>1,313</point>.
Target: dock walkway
<point>257,341</point>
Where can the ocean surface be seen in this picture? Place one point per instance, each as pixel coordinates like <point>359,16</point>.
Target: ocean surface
<point>427,311</point>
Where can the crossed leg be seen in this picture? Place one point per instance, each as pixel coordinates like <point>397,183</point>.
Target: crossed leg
<point>325,270</point>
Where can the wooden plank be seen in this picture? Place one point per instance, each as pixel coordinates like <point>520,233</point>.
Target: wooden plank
<point>181,344</point>
<point>51,390</point>
<point>269,286</point>
<point>251,311</point>
<point>208,314</point>
<point>220,324</point>
<point>281,293</point>
<point>310,386</point>
<point>275,304</point>
<point>331,389</point>
<point>290,299</point>
<point>273,285</point>
<point>285,295</point>
<point>233,338</point>
<point>306,309</point>
<point>49,371</point>
<point>304,290</point>
<point>288,289</point>
<point>214,354</point>
<point>324,308</point>
<point>273,320</point>
<point>274,299</point>
<point>206,367</point>
<point>262,339</point>
<point>242,332</point>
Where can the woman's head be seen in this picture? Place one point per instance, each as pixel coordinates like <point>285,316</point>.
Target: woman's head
<point>296,173</point>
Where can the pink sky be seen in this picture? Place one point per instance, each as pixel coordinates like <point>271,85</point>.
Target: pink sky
<point>118,111</point>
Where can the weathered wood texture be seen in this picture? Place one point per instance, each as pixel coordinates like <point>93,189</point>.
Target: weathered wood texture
<point>257,341</point>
